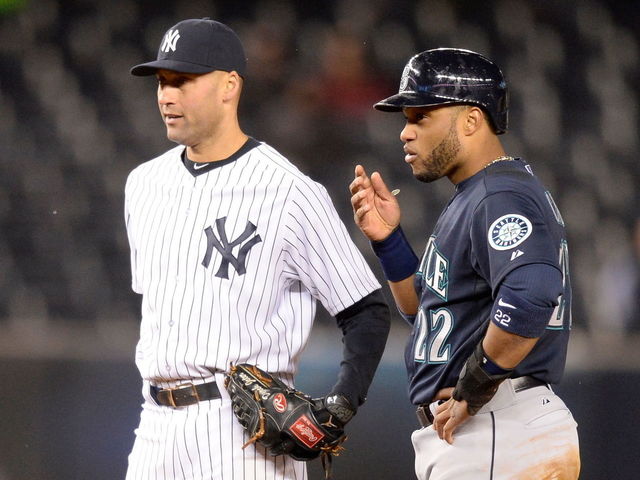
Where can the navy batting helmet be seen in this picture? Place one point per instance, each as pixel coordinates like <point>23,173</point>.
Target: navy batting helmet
<point>452,76</point>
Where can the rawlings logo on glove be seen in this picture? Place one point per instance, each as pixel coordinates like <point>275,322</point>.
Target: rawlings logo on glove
<point>285,420</point>
<point>306,431</point>
<point>280,403</point>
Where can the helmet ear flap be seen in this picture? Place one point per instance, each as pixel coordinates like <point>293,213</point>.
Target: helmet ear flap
<point>452,76</point>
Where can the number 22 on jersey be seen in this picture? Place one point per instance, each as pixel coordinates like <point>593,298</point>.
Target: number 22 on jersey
<point>440,322</point>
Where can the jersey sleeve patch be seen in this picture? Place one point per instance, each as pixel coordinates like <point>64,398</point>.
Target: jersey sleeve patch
<point>509,231</point>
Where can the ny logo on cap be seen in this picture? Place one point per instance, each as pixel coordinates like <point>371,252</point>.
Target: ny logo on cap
<point>170,40</point>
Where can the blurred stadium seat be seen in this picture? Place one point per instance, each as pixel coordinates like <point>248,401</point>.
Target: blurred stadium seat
<point>74,122</point>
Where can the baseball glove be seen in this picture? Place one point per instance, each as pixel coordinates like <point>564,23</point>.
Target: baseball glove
<point>285,420</point>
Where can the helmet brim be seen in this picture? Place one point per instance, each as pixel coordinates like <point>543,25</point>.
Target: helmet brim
<point>397,102</point>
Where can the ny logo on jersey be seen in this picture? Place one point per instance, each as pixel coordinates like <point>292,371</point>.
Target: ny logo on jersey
<point>170,41</point>
<point>222,245</point>
<point>435,270</point>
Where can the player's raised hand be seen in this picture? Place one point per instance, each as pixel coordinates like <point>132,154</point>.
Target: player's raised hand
<point>375,209</point>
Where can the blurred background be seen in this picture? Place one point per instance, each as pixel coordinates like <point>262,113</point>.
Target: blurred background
<point>73,123</point>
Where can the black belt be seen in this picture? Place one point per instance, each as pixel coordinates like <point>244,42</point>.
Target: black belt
<point>185,394</point>
<point>525,383</point>
<point>425,417</point>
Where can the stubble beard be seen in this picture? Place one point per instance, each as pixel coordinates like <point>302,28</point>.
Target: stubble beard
<point>441,157</point>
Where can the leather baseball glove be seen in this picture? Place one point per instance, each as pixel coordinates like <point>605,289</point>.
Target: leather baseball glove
<point>285,420</point>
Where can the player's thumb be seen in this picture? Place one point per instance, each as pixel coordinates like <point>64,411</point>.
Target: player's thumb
<point>380,187</point>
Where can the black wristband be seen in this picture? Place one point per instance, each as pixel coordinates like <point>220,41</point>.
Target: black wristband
<point>475,384</point>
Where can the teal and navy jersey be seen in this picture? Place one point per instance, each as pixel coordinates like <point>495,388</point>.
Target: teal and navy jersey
<point>498,220</point>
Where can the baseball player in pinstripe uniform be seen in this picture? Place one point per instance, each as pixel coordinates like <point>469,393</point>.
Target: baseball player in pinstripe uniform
<point>231,246</point>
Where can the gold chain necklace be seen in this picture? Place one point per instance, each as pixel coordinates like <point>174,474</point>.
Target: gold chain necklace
<point>504,158</point>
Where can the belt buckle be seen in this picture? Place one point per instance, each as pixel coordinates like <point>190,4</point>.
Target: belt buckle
<point>190,397</point>
<point>425,417</point>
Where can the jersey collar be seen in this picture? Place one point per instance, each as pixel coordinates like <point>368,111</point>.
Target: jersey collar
<point>198,168</point>
<point>517,162</point>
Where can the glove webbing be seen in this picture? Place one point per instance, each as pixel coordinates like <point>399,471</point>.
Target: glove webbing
<point>258,435</point>
<point>327,457</point>
<point>326,464</point>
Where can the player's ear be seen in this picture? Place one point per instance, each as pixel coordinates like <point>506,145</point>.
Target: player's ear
<point>233,85</point>
<point>473,117</point>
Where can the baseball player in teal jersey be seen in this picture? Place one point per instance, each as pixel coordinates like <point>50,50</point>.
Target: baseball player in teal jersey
<point>231,248</point>
<point>490,301</point>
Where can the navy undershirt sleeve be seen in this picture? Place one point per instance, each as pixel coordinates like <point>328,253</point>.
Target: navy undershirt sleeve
<point>365,326</point>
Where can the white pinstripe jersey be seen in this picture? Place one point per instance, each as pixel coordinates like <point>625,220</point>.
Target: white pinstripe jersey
<point>187,233</point>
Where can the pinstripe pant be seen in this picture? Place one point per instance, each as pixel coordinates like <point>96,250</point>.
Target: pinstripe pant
<point>201,442</point>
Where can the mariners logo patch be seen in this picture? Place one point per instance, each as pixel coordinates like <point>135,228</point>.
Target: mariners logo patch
<point>404,80</point>
<point>509,231</point>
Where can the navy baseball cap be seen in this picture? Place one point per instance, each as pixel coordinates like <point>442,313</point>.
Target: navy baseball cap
<point>197,46</point>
